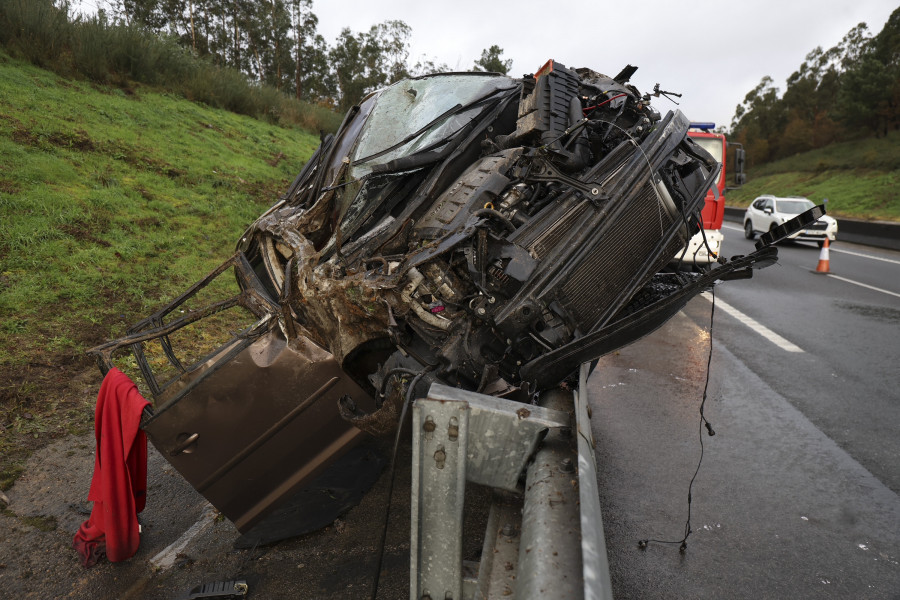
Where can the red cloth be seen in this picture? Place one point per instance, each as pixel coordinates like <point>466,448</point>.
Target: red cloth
<point>119,485</point>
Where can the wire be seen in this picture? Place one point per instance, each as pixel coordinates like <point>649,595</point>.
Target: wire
<point>387,512</point>
<point>390,374</point>
<point>585,110</point>
<point>704,422</point>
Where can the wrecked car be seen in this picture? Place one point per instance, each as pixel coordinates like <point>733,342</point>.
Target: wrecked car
<point>480,231</point>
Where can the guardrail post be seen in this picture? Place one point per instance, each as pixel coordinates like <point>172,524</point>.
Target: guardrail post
<point>545,541</point>
<point>438,488</point>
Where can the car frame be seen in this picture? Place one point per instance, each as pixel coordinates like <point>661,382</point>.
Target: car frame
<point>458,229</point>
<point>767,212</point>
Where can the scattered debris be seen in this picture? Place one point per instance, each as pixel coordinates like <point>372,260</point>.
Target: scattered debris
<point>222,590</point>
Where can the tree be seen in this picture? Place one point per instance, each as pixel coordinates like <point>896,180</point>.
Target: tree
<point>491,62</point>
<point>303,25</point>
<point>392,38</point>
<point>848,91</point>
<point>317,78</point>
<point>427,66</point>
<point>366,61</point>
<point>275,42</point>
<point>268,28</point>
<point>143,12</point>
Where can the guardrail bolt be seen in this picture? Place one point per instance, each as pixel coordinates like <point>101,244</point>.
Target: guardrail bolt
<point>508,530</point>
<point>429,425</point>
<point>440,457</point>
<point>567,466</point>
<point>453,430</point>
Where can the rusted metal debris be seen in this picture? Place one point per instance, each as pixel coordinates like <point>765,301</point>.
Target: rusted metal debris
<point>492,233</point>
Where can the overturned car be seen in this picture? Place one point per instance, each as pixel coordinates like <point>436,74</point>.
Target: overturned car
<point>471,229</point>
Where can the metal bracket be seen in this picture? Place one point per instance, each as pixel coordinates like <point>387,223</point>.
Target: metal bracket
<point>461,436</point>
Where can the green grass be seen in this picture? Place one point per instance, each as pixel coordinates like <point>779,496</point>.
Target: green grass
<point>859,178</point>
<point>111,203</point>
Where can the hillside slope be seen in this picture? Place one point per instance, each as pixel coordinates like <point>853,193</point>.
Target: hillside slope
<point>861,179</point>
<point>111,202</point>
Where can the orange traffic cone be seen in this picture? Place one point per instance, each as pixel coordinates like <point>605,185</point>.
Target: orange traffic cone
<point>822,267</point>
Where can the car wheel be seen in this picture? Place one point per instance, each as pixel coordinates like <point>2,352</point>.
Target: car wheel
<point>748,229</point>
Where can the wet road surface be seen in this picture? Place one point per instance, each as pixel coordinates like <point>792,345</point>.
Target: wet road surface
<point>779,510</point>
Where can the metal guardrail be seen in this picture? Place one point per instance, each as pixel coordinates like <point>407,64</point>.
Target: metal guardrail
<point>880,234</point>
<point>544,535</point>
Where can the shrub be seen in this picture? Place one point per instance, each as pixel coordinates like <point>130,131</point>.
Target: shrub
<point>120,54</point>
<point>35,30</point>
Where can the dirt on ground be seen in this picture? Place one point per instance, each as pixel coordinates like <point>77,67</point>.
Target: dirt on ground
<point>185,543</point>
<point>42,402</point>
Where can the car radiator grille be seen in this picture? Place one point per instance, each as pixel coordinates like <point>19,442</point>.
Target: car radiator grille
<point>604,279</point>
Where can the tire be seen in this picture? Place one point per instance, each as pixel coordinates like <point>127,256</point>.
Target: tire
<point>748,229</point>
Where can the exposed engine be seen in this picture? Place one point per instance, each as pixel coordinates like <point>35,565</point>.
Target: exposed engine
<point>476,222</point>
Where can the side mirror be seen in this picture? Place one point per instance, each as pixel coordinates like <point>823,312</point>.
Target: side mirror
<point>740,158</point>
<point>736,158</point>
<point>768,210</point>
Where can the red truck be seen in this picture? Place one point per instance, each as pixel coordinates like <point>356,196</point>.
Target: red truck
<point>714,209</point>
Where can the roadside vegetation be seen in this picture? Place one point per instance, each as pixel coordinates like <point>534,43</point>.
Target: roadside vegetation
<point>126,55</point>
<point>846,93</point>
<point>860,178</point>
<point>835,131</point>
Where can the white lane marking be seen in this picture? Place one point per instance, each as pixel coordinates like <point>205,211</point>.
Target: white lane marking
<point>888,260</point>
<point>833,249</point>
<point>754,325</point>
<point>167,557</point>
<point>871,287</point>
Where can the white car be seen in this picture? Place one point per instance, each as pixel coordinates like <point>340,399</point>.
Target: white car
<point>768,212</point>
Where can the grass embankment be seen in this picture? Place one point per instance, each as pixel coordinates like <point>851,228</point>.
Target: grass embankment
<point>861,179</point>
<point>111,203</point>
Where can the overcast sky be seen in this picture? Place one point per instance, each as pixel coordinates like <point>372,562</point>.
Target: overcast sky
<point>711,51</point>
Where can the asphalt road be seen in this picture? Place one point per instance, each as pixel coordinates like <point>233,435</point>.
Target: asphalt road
<point>846,376</point>
<point>797,493</point>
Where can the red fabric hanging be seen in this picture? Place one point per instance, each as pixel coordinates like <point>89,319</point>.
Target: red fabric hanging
<point>119,485</point>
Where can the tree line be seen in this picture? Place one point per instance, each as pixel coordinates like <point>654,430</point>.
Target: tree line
<point>849,91</point>
<point>276,43</point>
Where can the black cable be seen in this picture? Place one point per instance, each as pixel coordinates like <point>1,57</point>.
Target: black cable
<point>387,511</point>
<point>642,544</point>
<point>391,373</point>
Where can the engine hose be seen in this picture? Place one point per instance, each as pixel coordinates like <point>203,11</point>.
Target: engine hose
<point>493,214</point>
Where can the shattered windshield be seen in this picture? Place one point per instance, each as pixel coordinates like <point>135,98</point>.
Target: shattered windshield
<point>420,114</point>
